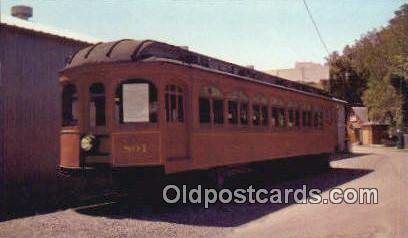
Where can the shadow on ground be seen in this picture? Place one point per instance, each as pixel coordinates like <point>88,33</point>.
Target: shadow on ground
<point>347,156</point>
<point>223,215</point>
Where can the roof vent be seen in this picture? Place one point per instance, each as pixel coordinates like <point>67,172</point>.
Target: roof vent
<point>22,12</point>
<point>250,67</point>
<point>184,47</point>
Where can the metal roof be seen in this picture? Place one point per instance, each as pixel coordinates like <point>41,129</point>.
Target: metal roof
<point>115,51</point>
<point>361,113</point>
<point>128,50</point>
<point>47,30</point>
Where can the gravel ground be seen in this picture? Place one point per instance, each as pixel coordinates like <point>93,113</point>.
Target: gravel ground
<point>70,223</point>
<point>127,218</point>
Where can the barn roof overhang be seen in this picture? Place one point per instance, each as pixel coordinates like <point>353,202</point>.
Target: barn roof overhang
<point>36,28</point>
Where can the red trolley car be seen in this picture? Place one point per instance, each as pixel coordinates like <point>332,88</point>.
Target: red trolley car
<point>145,103</point>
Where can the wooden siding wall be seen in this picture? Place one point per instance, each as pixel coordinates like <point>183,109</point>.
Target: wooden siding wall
<point>1,128</point>
<point>30,105</point>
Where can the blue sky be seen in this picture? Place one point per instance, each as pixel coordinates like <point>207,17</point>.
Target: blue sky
<point>268,34</point>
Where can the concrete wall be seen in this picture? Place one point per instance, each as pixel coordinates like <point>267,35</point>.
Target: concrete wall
<point>304,72</point>
<point>292,74</point>
<point>30,109</point>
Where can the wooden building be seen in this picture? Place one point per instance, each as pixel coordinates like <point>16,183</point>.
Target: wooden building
<point>30,57</point>
<point>363,131</point>
<point>373,133</point>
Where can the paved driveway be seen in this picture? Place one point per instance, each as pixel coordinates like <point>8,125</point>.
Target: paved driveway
<point>388,218</point>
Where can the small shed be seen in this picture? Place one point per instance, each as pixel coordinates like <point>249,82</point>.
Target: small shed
<point>373,133</point>
<point>361,130</point>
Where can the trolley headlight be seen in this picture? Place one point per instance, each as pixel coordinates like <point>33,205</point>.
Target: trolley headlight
<point>88,142</point>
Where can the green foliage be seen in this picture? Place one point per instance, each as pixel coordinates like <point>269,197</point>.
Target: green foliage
<point>345,82</point>
<point>374,71</point>
<point>382,100</point>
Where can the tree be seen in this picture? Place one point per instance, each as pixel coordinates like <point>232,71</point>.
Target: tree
<point>374,70</point>
<point>382,100</point>
<point>344,82</point>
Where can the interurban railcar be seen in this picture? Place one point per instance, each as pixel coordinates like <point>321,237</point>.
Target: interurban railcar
<point>145,103</point>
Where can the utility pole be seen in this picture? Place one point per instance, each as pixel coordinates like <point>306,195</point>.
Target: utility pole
<point>345,81</point>
<point>400,122</point>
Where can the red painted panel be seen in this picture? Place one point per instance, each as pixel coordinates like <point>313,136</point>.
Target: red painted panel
<point>205,146</point>
<point>135,149</point>
<point>70,148</point>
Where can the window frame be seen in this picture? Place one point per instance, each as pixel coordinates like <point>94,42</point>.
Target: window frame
<point>74,110</point>
<point>321,119</point>
<point>211,94</point>
<point>307,116</point>
<point>260,104</point>
<point>291,118</point>
<point>241,100</point>
<point>118,104</point>
<point>233,121</point>
<point>178,93</point>
<point>296,114</point>
<point>92,98</point>
<point>277,105</point>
